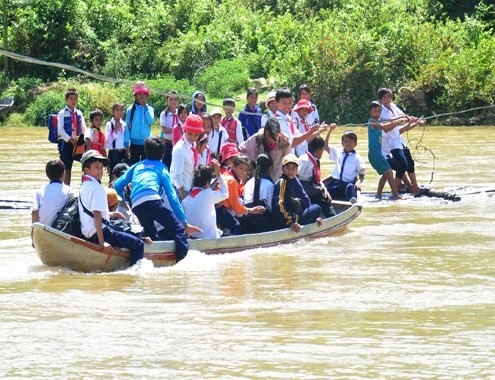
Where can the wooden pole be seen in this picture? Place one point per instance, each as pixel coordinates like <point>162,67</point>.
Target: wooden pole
<point>5,30</point>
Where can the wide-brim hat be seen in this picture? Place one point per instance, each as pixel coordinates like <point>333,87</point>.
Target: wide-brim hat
<point>216,111</point>
<point>94,154</point>
<point>140,88</point>
<point>290,158</point>
<point>270,97</point>
<point>228,150</point>
<point>303,103</point>
<point>194,124</point>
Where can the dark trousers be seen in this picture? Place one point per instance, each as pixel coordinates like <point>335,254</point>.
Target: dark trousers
<point>65,149</point>
<point>150,211</point>
<point>316,195</point>
<point>167,157</point>
<point>255,223</point>
<point>398,162</point>
<point>341,190</point>
<point>226,220</point>
<point>137,153</point>
<point>308,216</point>
<point>116,156</point>
<point>410,161</point>
<point>122,240</point>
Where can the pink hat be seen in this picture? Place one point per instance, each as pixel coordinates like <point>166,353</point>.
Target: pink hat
<point>303,103</point>
<point>228,150</point>
<point>194,124</point>
<point>140,87</point>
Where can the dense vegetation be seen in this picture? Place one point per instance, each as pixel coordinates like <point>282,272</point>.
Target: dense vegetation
<point>442,50</point>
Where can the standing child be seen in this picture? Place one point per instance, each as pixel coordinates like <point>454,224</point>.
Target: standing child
<point>50,199</point>
<point>230,123</point>
<point>139,118</point>
<point>301,116</point>
<point>178,129</point>
<point>348,174</point>
<point>377,161</point>
<point>169,119</point>
<point>271,108</point>
<point>309,174</point>
<point>291,207</point>
<point>70,126</point>
<point>149,179</point>
<point>198,103</point>
<point>204,153</point>
<point>250,117</point>
<point>185,156</point>
<point>94,214</point>
<point>203,198</point>
<point>218,135</point>
<point>94,136</point>
<point>115,130</point>
<point>304,93</point>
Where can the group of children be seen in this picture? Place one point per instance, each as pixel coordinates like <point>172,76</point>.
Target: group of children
<point>212,174</point>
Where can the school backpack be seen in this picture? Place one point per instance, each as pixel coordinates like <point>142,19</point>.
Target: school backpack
<point>67,219</point>
<point>53,128</point>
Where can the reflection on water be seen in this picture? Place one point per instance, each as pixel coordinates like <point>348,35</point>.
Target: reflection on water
<point>408,290</point>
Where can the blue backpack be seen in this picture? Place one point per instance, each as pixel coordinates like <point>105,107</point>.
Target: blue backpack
<point>53,128</point>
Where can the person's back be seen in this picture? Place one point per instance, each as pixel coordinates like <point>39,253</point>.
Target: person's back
<point>52,197</point>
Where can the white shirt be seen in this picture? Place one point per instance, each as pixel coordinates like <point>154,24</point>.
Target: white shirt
<point>112,136</point>
<point>204,157</point>
<point>213,138</point>
<point>286,127</point>
<point>302,126</point>
<point>60,126</point>
<point>393,139</point>
<point>266,191</point>
<point>49,200</point>
<point>168,120</point>
<point>200,210</point>
<point>94,197</point>
<point>265,118</point>
<point>182,167</point>
<point>305,169</point>
<point>352,167</point>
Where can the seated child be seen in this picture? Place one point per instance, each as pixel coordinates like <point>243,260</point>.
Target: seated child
<point>251,117</point>
<point>52,197</point>
<point>94,136</point>
<point>203,198</point>
<point>377,161</point>
<point>228,153</point>
<point>94,214</point>
<point>115,130</point>
<point>291,207</point>
<point>185,156</point>
<point>178,130</point>
<point>348,174</point>
<point>231,124</point>
<point>309,175</point>
<point>218,135</point>
<point>232,208</point>
<point>258,191</point>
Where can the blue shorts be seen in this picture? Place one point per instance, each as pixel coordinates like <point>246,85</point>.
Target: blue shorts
<point>378,162</point>
<point>65,150</point>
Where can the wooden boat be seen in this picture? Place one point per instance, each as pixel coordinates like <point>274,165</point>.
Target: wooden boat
<point>6,105</point>
<point>58,249</point>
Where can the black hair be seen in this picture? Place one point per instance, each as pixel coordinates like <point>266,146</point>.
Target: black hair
<point>54,169</point>
<point>283,93</point>
<point>71,91</point>
<point>94,113</point>
<point>172,93</point>
<point>229,102</point>
<point>240,159</point>
<point>202,139</point>
<point>119,169</point>
<point>315,144</point>
<point>374,104</point>
<point>251,91</point>
<point>272,127</point>
<point>154,148</point>
<point>117,104</point>
<point>303,87</point>
<point>350,134</point>
<point>202,176</point>
<point>263,165</point>
<point>382,91</point>
<point>206,115</point>
<point>181,107</point>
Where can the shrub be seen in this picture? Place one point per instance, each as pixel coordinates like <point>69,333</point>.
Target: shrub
<point>43,106</point>
<point>225,78</point>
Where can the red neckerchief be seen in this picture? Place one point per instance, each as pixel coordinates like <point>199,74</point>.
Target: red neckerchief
<point>304,123</point>
<point>315,167</point>
<point>208,155</point>
<point>272,145</point>
<point>74,122</point>
<point>194,149</point>
<point>87,178</point>
<point>289,122</point>
<point>195,191</point>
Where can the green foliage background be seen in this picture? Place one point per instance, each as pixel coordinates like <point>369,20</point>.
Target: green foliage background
<point>345,50</point>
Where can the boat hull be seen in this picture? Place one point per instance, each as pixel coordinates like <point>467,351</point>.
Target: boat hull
<point>58,249</point>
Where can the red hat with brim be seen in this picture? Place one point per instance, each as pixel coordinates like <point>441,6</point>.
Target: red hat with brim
<point>228,150</point>
<point>303,103</point>
<point>140,88</point>
<point>194,124</point>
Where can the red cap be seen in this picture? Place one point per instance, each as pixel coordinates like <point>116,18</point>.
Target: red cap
<point>140,87</point>
<point>194,124</point>
<point>303,103</point>
<point>228,150</point>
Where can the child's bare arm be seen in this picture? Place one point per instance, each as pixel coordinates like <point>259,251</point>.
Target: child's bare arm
<point>389,125</point>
